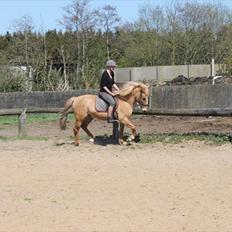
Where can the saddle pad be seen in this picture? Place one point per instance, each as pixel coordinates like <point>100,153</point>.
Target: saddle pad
<point>101,105</point>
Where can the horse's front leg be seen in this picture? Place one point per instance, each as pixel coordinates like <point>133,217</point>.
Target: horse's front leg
<point>130,125</point>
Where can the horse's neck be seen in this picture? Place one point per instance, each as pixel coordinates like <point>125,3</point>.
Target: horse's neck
<point>129,99</point>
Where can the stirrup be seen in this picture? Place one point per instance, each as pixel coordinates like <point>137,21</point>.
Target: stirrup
<point>111,120</point>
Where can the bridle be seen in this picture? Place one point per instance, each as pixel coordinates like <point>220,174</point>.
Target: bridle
<point>142,105</point>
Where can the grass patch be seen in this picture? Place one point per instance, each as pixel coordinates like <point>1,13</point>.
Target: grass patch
<point>174,138</point>
<point>8,120</point>
<point>39,117</point>
<point>42,117</point>
<point>29,200</point>
<point>31,138</point>
<point>4,138</point>
<point>13,119</point>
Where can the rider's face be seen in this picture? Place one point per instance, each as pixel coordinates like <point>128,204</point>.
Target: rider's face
<point>111,68</point>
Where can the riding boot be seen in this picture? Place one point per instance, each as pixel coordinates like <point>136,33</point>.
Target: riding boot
<point>110,118</point>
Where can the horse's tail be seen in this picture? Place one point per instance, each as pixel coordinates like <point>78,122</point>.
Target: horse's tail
<point>64,113</point>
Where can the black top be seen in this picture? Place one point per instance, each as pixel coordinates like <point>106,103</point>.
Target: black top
<point>107,81</point>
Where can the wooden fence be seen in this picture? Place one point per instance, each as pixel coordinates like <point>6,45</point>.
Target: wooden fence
<point>194,100</point>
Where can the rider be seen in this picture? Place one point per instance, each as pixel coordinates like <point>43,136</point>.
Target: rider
<point>106,88</point>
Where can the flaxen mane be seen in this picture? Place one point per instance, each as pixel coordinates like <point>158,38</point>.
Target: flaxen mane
<point>128,87</point>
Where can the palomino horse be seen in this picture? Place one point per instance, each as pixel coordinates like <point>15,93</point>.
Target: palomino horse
<point>84,109</point>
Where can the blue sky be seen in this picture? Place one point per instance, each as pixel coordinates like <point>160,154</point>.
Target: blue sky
<point>47,12</point>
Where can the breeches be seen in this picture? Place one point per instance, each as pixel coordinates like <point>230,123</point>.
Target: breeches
<point>108,98</point>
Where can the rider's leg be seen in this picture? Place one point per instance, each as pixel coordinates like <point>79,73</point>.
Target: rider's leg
<point>110,114</point>
<point>111,101</point>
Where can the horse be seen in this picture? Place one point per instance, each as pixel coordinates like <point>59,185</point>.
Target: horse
<point>85,111</point>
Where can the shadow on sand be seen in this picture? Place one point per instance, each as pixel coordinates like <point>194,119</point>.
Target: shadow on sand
<point>105,140</point>
<point>109,140</point>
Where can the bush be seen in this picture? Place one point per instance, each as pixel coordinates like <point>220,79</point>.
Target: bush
<point>13,80</point>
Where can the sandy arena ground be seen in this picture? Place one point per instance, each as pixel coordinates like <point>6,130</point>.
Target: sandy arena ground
<point>138,188</point>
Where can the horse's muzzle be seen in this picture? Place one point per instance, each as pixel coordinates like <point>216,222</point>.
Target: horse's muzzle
<point>144,108</point>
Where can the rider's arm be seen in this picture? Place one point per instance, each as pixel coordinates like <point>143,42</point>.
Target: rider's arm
<point>108,91</point>
<point>116,87</point>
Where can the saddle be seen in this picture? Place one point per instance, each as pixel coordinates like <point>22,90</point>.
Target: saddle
<point>102,106</point>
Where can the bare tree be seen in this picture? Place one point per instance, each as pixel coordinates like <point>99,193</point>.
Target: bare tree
<point>108,18</point>
<point>24,25</point>
<point>151,23</point>
<point>79,18</point>
<point>151,18</point>
<point>172,30</point>
<point>199,25</point>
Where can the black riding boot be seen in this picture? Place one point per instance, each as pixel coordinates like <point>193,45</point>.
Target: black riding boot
<point>110,119</point>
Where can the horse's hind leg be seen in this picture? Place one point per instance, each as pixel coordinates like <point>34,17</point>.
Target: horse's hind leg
<point>84,126</point>
<point>76,132</point>
<point>121,140</point>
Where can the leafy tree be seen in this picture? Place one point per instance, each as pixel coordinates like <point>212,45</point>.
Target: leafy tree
<point>185,32</point>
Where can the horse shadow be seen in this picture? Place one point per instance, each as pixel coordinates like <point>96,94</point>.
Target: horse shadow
<point>105,140</point>
<point>110,140</point>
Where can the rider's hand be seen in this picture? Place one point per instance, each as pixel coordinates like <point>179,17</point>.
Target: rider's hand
<point>116,93</point>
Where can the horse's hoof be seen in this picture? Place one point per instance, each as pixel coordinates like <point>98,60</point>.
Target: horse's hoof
<point>130,139</point>
<point>122,142</point>
<point>137,138</point>
<point>77,144</point>
<point>60,142</point>
<point>91,140</point>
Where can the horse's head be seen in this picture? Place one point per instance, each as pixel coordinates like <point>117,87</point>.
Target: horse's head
<point>141,93</point>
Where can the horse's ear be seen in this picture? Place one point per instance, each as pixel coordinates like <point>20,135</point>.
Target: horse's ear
<point>143,86</point>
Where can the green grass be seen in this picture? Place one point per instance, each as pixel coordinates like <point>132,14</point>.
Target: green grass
<point>8,120</point>
<point>174,138</point>
<point>29,200</point>
<point>46,117</point>
<point>31,118</point>
<point>165,138</point>
<point>31,138</point>
<point>42,117</point>
<point>13,119</point>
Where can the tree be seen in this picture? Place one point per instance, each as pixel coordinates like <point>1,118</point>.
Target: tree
<point>79,18</point>
<point>108,17</point>
<point>25,27</point>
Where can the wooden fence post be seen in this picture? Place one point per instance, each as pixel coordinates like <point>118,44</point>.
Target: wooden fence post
<point>22,123</point>
<point>150,97</point>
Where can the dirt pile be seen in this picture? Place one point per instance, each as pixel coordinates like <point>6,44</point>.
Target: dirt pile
<point>204,80</point>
